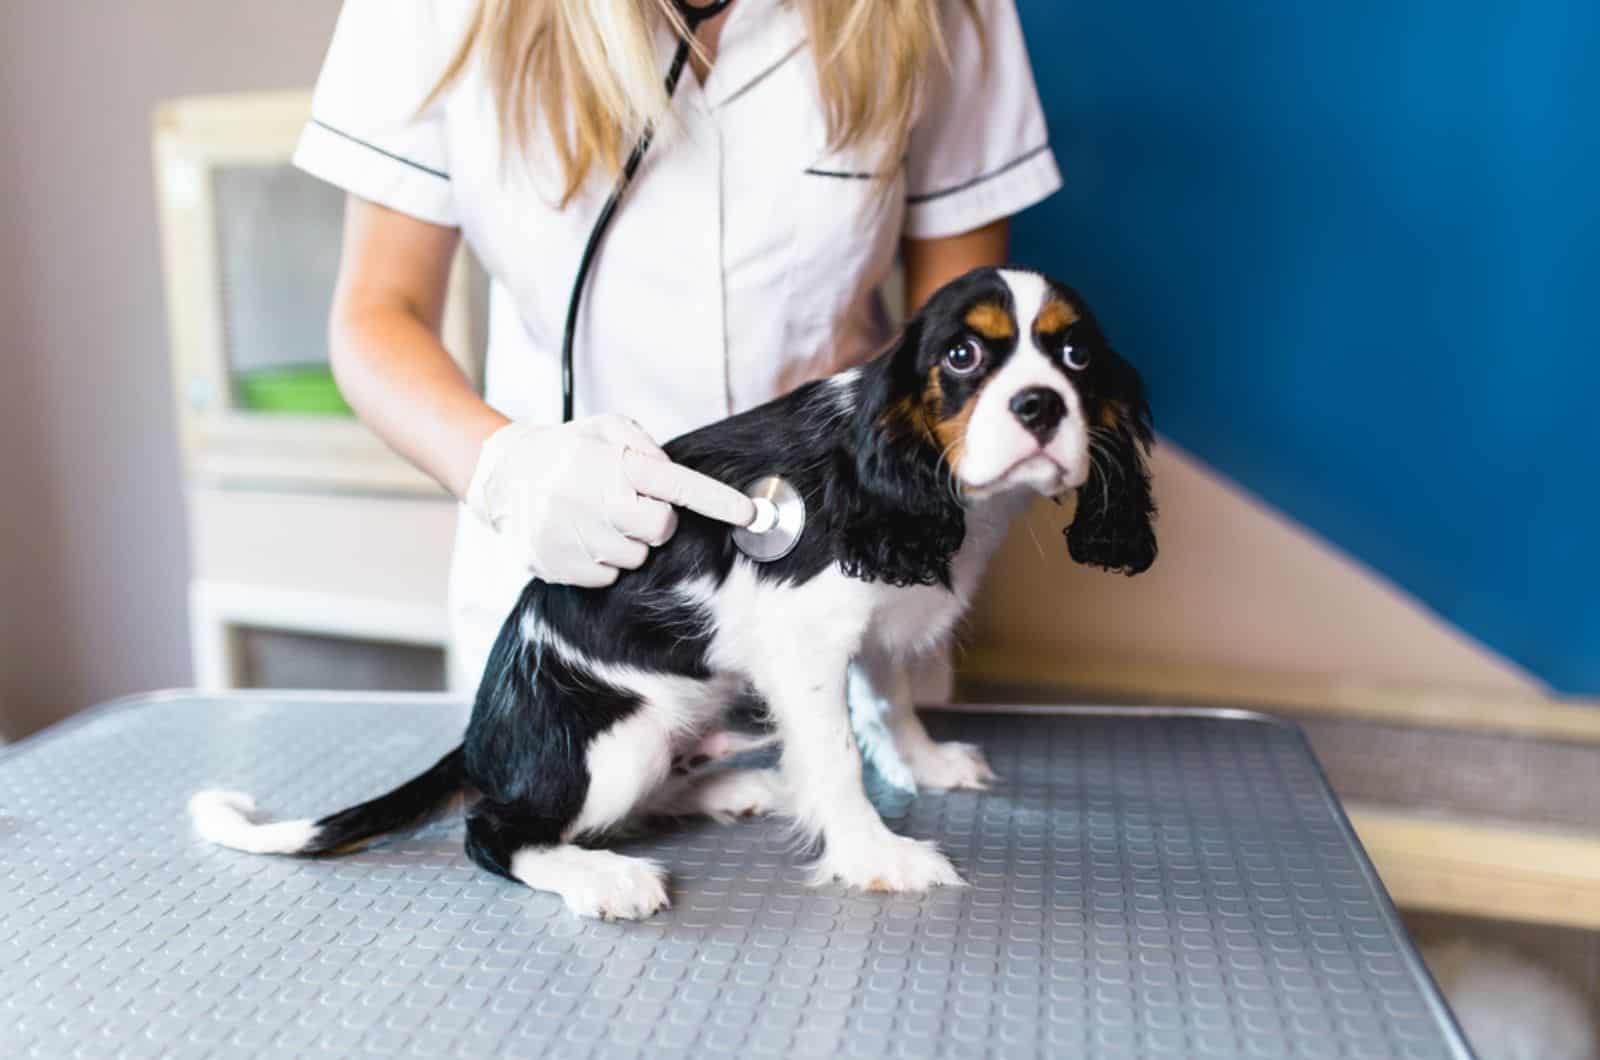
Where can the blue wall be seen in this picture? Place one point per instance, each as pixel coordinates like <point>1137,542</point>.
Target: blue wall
<point>1355,248</point>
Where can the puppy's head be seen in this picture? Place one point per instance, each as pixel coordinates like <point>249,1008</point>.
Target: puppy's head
<point>1008,376</point>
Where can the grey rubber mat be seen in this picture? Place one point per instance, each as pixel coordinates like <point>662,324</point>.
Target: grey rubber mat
<point>1141,886</point>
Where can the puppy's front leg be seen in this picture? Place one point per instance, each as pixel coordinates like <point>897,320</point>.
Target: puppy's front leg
<point>936,765</point>
<point>805,692</point>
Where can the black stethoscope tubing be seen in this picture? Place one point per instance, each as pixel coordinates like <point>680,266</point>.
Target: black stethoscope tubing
<point>692,16</point>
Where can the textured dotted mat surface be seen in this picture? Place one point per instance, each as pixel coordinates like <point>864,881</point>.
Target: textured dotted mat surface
<point>1141,886</point>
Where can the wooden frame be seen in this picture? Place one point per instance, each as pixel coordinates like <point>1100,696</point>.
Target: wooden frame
<point>219,611</point>
<point>351,565</point>
<point>1448,865</point>
<point>192,138</point>
<point>278,504</point>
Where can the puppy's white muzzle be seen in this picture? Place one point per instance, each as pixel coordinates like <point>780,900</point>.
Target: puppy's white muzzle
<point>1027,435</point>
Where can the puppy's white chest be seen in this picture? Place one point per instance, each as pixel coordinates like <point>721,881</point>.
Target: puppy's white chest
<point>909,621</point>
<point>914,619</point>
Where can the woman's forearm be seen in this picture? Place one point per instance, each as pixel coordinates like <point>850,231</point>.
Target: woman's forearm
<point>401,381</point>
<point>385,348</point>
<point>932,263</point>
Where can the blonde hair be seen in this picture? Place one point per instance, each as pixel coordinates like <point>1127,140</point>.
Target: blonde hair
<point>588,70</point>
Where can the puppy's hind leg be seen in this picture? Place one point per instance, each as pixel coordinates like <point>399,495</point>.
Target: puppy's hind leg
<point>532,840</point>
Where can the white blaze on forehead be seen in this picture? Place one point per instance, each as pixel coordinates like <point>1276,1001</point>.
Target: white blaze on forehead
<point>1029,293</point>
<point>995,440</point>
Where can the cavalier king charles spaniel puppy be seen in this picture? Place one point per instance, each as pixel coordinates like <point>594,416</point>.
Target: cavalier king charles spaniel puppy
<point>1000,389</point>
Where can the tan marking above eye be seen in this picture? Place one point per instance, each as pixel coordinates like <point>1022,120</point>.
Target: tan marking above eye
<point>1055,317</point>
<point>991,320</point>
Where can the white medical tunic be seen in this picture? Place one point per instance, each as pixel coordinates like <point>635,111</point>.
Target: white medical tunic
<point>744,259</point>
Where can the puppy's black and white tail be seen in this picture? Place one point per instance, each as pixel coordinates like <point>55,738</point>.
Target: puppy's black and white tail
<point>227,817</point>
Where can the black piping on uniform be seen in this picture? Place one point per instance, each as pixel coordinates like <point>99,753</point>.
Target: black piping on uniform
<point>839,174</point>
<point>847,174</point>
<point>374,147</point>
<point>913,200</point>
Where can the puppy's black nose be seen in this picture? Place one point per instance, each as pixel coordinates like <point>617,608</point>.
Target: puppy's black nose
<point>1040,410</point>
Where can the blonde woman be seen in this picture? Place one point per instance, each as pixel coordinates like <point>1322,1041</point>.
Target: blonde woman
<point>810,143</point>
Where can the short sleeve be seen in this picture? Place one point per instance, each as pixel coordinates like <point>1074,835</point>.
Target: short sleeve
<point>980,150</point>
<point>367,133</point>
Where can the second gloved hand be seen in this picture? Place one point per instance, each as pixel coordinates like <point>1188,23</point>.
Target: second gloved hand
<point>578,503</point>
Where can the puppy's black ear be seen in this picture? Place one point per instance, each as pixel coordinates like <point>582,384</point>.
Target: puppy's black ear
<point>1114,524</point>
<point>900,523</point>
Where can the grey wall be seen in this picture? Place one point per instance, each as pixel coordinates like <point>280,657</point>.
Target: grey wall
<point>92,549</point>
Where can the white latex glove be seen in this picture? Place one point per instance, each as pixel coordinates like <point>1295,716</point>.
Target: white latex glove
<point>578,503</point>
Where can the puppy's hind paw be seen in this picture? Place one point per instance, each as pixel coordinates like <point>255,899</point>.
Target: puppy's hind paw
<point>595,883</point>
<point>629,889</point>
<point>894,863</point>
<point>740,793</point>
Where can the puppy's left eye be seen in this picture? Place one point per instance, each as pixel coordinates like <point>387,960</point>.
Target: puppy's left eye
<point>964,358</point>
<point>1074,357</point>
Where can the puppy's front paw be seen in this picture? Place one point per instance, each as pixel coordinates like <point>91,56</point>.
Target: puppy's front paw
<point>888,863</point>
<point>940,766</point>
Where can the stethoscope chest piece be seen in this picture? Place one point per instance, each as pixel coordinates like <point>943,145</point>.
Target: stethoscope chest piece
<point>780,520</point>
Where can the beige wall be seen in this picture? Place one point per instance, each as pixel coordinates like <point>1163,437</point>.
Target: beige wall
<point>92,553</point>
<point>1237,588</point>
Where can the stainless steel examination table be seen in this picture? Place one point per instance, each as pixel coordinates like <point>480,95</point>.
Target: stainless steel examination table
<point>1143,884</point>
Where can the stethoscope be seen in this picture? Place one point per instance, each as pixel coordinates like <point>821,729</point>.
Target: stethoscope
<point>780,511</point>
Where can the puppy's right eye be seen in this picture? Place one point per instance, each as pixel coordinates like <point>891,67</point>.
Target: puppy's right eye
<point>965,357</point>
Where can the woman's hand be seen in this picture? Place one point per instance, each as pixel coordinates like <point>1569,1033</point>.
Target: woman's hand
<point>579,503</point>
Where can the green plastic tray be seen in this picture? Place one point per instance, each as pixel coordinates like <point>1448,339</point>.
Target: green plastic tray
<point>307,390</point>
